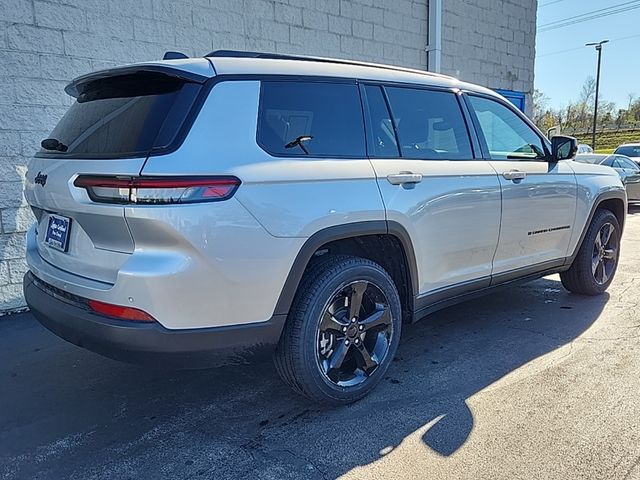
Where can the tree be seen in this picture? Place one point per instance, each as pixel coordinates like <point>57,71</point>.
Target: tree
<point>577,115</point>
<point>588,92</point>
<point>540,103</point>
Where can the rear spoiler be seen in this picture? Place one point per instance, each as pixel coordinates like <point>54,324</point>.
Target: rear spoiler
<point>188,70</point>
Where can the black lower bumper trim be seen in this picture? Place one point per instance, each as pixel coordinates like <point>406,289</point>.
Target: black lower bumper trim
<point>150,343</point>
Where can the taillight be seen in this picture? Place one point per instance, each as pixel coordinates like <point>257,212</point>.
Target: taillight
<point>157,190</point>
<point>120,312</point>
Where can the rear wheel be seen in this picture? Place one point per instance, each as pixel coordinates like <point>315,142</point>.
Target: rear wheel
<point>342,331</point>
<point>595,265</point>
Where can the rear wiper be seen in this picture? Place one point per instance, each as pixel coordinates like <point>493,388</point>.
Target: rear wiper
<point>53,144</point>
<point>298,143</point>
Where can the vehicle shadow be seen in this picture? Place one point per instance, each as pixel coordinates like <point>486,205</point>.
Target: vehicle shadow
<point>633,209</point>
<point>70,413</point>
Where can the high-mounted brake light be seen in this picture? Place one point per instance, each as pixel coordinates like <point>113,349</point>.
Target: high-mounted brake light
<point>157,190</point>
<point>120,312</point>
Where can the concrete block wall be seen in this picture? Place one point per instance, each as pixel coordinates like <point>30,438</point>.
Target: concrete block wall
<point>45,43</point>
<point>491,43</point>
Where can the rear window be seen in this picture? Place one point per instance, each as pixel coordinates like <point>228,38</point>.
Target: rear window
<point>318,119</point>
<point>628,150</point>
<point>124,116</point>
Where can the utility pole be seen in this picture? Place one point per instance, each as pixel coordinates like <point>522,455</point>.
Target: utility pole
<point>598,46</point>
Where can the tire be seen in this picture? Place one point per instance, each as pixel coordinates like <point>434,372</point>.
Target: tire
<point>320,330</point>
<point>582,278</point>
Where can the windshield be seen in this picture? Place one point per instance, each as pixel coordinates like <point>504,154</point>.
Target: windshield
<point>628,150</point>
<point>122,116</point>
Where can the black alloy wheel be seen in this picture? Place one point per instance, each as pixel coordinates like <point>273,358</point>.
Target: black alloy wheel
<point>342,330</point>
<point>354,333</point>
<point>605,253</point>
<point>596,261</point>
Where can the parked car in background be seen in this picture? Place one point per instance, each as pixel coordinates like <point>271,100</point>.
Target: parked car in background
<point>584,148</point>
<point>631,150</point>
<point>628,170</point>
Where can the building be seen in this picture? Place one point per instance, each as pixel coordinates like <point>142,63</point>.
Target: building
<point>44,44</point>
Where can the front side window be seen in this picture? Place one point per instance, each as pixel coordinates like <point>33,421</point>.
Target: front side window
<point>626,163</point>
<point>311,119</point>
<point>507,136</point>
<point>429,124</point>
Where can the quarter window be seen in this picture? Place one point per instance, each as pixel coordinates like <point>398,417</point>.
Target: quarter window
<point>507,136</point>
<point>429,123</point>
<point>311,118</point>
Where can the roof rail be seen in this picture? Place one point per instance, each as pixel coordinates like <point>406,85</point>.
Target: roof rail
<point>282,56</point>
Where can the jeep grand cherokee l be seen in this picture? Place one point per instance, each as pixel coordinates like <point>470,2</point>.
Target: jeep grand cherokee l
<point>209,209</point>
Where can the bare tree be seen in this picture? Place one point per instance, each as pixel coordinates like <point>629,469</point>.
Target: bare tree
<point>576,116</point>
<point>540,105</point>
<point>588,92</point>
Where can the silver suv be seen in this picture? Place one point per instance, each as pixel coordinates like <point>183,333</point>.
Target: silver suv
<point>205,210</point>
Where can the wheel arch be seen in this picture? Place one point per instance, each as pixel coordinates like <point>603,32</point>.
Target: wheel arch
<point>366,239</point>
<point>614,201</point>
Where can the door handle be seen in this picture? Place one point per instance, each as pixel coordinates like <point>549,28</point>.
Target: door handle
<point>404,177</point>
<point>514,175</point>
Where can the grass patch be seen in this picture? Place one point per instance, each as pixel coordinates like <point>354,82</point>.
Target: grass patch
<point>608,140</point>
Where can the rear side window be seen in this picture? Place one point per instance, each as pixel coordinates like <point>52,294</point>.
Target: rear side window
<point>124,116</point>
<point>311,118</point>
<point>429,123</point>
<point>609,161</point>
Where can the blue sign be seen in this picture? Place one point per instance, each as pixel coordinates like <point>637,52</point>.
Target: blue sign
<point>517,98</point>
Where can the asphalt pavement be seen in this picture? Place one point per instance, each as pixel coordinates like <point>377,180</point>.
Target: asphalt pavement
<point>527,383</point>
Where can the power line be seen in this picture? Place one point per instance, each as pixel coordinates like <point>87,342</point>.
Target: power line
<point>573,17</point>
<point>594,14</point>
<point>619,39</point>
<point>593,17</point>
<point>560,51</point>
<point>585,19</point>
<point>549,3</point>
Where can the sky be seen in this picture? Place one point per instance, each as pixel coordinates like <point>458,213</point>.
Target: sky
<point>563,62</point>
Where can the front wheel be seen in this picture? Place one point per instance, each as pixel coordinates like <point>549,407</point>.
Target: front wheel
<point>342,331</point>
<point>595,265</point>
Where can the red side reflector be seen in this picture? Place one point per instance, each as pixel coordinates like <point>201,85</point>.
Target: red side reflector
<point>120,312</point>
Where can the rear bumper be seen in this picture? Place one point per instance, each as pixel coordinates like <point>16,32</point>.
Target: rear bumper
<point>149,343</point>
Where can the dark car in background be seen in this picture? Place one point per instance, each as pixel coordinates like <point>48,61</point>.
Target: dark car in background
<point>631,150</point>
<point>628,170</point>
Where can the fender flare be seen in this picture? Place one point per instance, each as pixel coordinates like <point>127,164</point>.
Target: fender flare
<point>340,232</point>
<point>608,195</point>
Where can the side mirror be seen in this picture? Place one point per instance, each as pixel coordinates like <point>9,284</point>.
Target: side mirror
<point>563,147</point>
